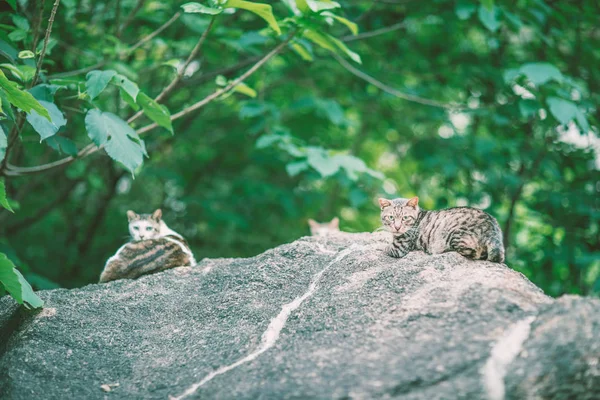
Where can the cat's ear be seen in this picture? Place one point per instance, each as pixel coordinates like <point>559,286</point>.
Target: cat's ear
<point>157,215</point>
<point>312,223</point>
<point>131,216</point>
<point>335,223</point>
<point>414,202</point>
<point>383,203</point>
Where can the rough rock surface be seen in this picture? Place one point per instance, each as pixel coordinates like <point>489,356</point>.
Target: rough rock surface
<point>326,318</point>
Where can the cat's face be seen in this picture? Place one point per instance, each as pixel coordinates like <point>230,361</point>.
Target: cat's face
<point>144,226</point>
<point>325,228</point>
<point>399,215</point>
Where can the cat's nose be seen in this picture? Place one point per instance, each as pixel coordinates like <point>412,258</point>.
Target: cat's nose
<point>397,226</point>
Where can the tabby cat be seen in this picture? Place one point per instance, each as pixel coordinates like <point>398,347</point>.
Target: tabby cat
<point>154,248</point>
<point>468,231</point>
<point>324,228</point>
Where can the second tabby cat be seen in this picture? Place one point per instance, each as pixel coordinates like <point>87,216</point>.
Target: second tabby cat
<point>468,231</point>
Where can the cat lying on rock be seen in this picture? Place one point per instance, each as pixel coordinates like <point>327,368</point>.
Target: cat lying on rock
<point>154,247</point>
<point>468,231</point>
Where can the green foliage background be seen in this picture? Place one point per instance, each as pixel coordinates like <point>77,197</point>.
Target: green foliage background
<point>492,104</point>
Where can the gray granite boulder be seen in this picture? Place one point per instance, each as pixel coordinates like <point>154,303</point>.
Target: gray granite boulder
<point>315,319</point>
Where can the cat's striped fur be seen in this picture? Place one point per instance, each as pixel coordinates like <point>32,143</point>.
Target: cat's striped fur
<point>468,231</point>
<point>154,248</point>
<point>145,257</point>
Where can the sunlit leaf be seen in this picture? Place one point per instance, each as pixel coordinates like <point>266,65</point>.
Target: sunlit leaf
<point>120,141</point>
<point>26,54</point>
<point>540,73</point>
<point>128,86</point>
<point>330,43</point>
<point>351,25</point>
<point>264,11</point>
<point>3,143</point>
<point>490,18</point>
<point>318,6</point>
<point>3,199</point>
<point>296,167</point>
<point>200,8</point>
<point>324,165</point>
<point>20,98</point>
<point>16,285</point>
<point>44,127</point>
<point>488,4</point>
<point>97,81</point>
<point>563,110</point>
<point>303,49</point>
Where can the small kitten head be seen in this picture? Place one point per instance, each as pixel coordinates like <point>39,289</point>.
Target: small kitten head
<point>144,226</point>
<point>325,228</point>
<point>399,215</point>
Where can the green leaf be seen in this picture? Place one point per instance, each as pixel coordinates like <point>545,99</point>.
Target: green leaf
<point>303,49</point>
<point>130,87</point>
<point>489,18</point>
<point>244,89</point>
<point>16,285</point>
<point>20,22</point>
<point>464,9</point>
<point>26,54</point>
<point>44,127</point>
<point>156,112</point>
<point>97,81</point>
<point>528,107</point>
<point>3,199</point>
<point>330,43</point>
<point>296,167</point>
<point>45,92</point>
<point>318,6</point>
<point>582,121</point>
<point>540,73</point>
<point>13,4</point>
<point>3,143</point>
<point>121,142</point>
<point>21,99</point>
<point>351,25</point>
<point>324,165</point>
<point>563,110</point>
<point>487,4</point>
<point>200,8</point>
<point>264,11</point>
<point>268,140</point>
<point>17,35</point>
<point>129,100</point>
<point>63,145</point>
<point>24,73</point>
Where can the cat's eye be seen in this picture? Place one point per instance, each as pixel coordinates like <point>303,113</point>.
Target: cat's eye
<point>148,228</point>
<point>136,228</point>
<point>406,218</point>
<point>391,217</point>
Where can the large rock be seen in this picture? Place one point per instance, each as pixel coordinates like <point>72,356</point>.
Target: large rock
<point>328,318</point>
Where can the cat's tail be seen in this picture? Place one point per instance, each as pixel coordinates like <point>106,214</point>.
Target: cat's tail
<point>495,251</point>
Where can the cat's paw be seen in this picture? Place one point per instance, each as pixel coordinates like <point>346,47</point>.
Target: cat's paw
<point>392,251</point>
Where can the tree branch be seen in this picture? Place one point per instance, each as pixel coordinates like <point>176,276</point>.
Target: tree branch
<point>92,148</point>
<point>376,32</point>
<point>395,92</point>
<point>131,16</point>
<point>38,26</point>
<point>167,90</point>
<point>46,39</point>
<point>152,35</point>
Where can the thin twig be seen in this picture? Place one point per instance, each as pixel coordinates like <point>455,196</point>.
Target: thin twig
<point>152,35</point>
<point>38,25</point>
<point>46,39</point>
<point>91,148</point>
<point>373,33</point>
<point>395,92</point>
<point>181,72</point>
<point>225,89</point>
<point>78,71</point>
<point>131,15</point>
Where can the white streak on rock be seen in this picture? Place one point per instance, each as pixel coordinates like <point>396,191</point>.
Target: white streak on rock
<point>503,353</point>
<point>270,336</point>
